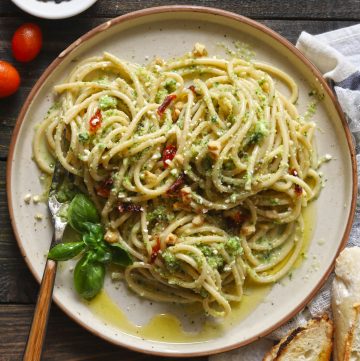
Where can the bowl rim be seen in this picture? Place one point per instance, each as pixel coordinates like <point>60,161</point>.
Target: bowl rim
<point>66,12</point>
<point>212,11</point>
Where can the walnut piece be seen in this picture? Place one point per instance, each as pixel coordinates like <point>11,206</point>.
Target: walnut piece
<point>199,50</point>
<point>186,195</point>
<point>198,220</point>
<point>150,178</point>
<point>179,206</point>
<point>111,236</point>
<point>247,229</point>
<point>214,148</point>
<point>171,239</point>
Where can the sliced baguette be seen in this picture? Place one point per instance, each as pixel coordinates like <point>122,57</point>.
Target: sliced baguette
<point>346,305</point>
<point>313,342</point>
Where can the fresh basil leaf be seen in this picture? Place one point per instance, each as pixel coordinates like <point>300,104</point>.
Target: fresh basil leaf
<point>88,277</point>
<point>82,210</point>
<point>100,254</point>
<point>66,251</point>
<point>95,229</point>
<point>95,234</point>
<point>119,255</point>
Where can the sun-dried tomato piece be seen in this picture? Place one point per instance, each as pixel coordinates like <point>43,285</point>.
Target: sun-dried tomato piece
<point>192,88</point>
<point>155,250</point>
<point>236,219</point>
<point>95,121</point>
<point>176,186</point>
<point>168,154</point>
<point>165,104</point>
<point>298,189</point>
<point>239,218</point>
<point>103,190</point>
<point>129,207</point>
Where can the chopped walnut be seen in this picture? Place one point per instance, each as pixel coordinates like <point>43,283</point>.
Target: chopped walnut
<point>159,61</point>
<point>171,239</point>
<point>247,229</point>
<point>199,50</point>
<point>177,110</point>
<point>198,220</point>
<point>179,206</point>
<point>175,114</point>
<point>186,194</point>
<point>214,148</point>
<point>111,236</point>
<point>150,178</point>
<point>179,105</point>
<point>27,198</point>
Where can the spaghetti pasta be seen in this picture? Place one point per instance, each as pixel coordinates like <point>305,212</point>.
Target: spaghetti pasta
<point>199,166</point>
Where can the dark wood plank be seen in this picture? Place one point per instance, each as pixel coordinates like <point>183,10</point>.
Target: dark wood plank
<point>16,282</point>
<point>60,34</point>
<point>261,9</point>
<point>17,285</point>
<point>8,247</point>
<point>65,339</point>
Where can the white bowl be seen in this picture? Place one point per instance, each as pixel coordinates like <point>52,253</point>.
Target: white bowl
<point>51,10</point>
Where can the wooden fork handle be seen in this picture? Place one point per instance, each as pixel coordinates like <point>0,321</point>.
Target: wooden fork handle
<point>38,327</point>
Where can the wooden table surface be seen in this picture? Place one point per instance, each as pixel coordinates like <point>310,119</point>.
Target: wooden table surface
<point>18,289</point>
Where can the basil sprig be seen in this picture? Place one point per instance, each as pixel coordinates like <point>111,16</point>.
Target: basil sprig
<point>90,270</point>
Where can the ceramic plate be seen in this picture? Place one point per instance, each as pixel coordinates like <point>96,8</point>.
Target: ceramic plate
<point>168,32</point>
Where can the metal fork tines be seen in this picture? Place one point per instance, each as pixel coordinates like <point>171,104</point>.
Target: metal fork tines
<point>55,206</point>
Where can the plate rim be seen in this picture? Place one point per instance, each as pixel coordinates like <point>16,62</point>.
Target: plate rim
<point>205,10</point>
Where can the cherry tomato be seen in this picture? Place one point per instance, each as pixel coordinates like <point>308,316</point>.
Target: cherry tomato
<point>26,42</point>
<point>9,79</point>
<point>104,189</point>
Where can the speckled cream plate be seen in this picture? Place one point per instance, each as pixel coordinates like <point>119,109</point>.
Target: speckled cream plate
<point>167,32</point>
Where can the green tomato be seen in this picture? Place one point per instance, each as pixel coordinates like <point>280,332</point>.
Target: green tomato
<point>80,211</point>
<point>88,277</point>
<point>66,251</point>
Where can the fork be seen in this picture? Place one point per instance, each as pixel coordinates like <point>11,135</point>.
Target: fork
<point>37,332</point>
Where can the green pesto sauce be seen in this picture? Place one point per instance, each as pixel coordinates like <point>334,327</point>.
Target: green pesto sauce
<point>106,102</point>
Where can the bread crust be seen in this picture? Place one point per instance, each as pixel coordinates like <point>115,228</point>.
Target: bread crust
<point>302,337</point>
<point>345,304</point>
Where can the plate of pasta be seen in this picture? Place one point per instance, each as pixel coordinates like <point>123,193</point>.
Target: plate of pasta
<point>211,180</point>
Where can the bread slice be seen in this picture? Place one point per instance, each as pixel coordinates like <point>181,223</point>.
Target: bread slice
<point>346,305</point>
<point>313,342</point>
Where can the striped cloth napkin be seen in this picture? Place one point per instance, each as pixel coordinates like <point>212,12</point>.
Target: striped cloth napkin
<point>337,56</point>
